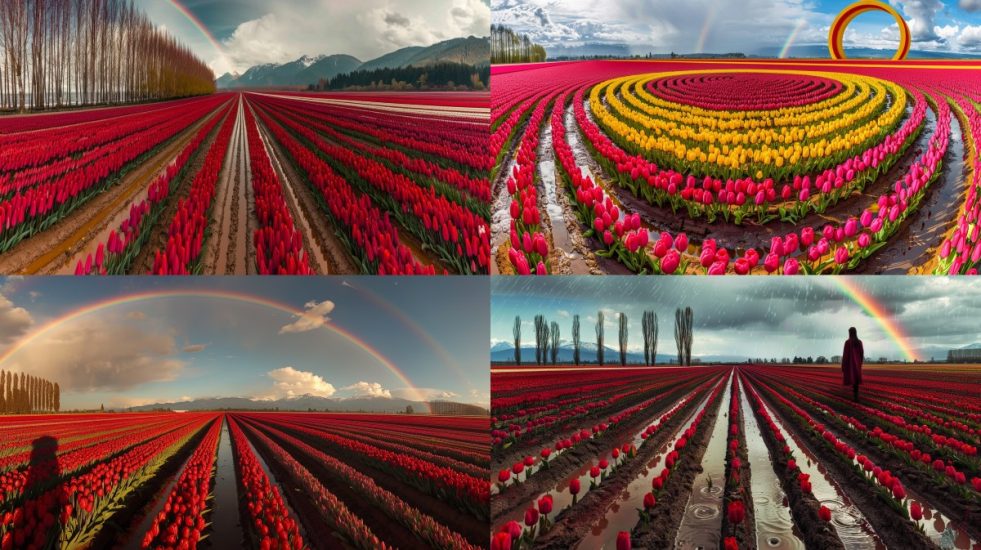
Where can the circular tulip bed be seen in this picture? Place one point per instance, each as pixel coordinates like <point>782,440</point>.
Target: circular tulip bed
<point>736,168</point>
<point>293,481</point>
<point>620,458</point>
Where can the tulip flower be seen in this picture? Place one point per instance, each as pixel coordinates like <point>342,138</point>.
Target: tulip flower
<point>915,511</point>
<point>623,540</point>
<point>824,513</point>
<point>531,516</point>
<point>736,511</point>
<point>730,543</point>
<point>501,541</point>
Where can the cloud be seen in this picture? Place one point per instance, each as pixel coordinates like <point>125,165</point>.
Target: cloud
<point>97,354</point>
<point>367,389</point>
<point>970,5</point>
<point>314,317</point>
<point>364,29</point>
<point>14,321</point>
<point>920,15</point>
<point>970,38</point>
<point>424,394</point>
<point>194,348</point>
<point>289,382</point>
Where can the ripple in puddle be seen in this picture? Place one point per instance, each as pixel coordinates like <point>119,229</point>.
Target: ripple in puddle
<point>704,511</point>
<point>713,491</point>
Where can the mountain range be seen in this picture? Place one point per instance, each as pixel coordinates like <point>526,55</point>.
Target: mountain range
<point>306,402</point>
<point>310,70</point>
<point>503,352</point>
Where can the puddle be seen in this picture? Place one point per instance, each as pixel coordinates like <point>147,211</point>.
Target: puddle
<point>701,526</point>
<point>774,521</point>
<point>226,524</point>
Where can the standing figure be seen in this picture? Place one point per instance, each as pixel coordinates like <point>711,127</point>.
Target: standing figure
<point>851,361</point>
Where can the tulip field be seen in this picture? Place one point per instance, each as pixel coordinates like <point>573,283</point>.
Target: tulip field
<point>243,480</point>
<point>736,167</point>
<point>250,184</point>
<point>748,456</point>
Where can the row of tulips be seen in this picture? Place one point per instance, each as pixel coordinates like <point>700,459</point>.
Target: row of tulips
<point>744,91</point>
<point>737,500</point>
<point>459,236</point>
<point>82,503</point>
<point>27,127</point>
<point>943,472</point>
<point>181,523</point>
<point>511,425</point>
<point>680,453</point>
<point>23,215</point>
<point>36,474</point>
<point>960,253</point>
<point>449,181</point>
<point>460,437</point>
<point>461,143</point>
<point>186,231</point>
<point>278,244</point>
<point>368,233</point>
<point>116,255</point>
<point>528,248</point>
<point>423,525</point>
<point>399,442</point>
<point>622,235</point>
<point>888,486</point>
<point>267,518</point>
<point>468,491</point>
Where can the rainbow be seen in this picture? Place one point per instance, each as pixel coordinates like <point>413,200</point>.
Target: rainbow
<point>706,27</point>
<point>790,39</point>
<point>198,24</point>
<point>882,316</point>
<point>448,361</point>
<point>207,294</point>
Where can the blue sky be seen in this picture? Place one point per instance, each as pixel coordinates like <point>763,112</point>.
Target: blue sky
<point>736,316</point>
<point>174,348</point>
<point>749,26</point>
<point>252,32</point>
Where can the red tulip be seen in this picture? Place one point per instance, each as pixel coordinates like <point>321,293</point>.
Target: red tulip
<point>531,517</point>
<point>501,541</point>
<point>824,513</point>
<point>623,540</point>
<point>915,511</point>
<point>545,504</point>
<point>649,501</point>
<point>736,511</point>
<point>574,486</point>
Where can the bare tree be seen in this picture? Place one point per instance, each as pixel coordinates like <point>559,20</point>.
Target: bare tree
<point>649,323</point>
<point>555,342</point>
<point>575,339</point>
<point>517,339</point>
<point>599,338</point>
<point>541,339</point>
<point>623,339</point>
<point>683,334</point>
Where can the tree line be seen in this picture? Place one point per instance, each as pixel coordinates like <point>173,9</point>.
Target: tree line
<point>508,46</point>
<point>548,342</point>
<point>23,393</point>
<point>59,53</point>
<point>437,75</point>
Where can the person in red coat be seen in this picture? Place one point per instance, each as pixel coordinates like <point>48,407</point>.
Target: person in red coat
<point>851,361</point>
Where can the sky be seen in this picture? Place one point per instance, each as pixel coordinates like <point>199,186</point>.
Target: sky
<point>177,348</point>
<point>253,32</point>
<point>748,26</point>
<point>736,316</point>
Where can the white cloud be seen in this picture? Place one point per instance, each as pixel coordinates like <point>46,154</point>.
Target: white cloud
<point>289,382</point>
<point>194,348</point>
<point>970,38</point>
<point>365,29</point>
<point>314,317</point>
<point>94,353</point>
<point>14,321</point>
<point>367,389</point>
<point>423,394</point>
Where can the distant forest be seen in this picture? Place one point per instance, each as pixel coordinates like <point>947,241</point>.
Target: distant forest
<point>437,76</point>
<point>508,46</point>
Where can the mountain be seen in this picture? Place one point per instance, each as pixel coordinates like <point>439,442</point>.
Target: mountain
<point>398,58</point>
<point>469,51</point>
<point>310,70</point>
<point>820,51</point>
<point>306,402</point>
<point>300,72</point>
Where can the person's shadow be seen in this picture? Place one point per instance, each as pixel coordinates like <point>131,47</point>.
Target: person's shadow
<point>44,484</point>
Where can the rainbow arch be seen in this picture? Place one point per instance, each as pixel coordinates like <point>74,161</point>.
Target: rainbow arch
<point>879,313</point>
<point>240,297</point>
